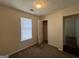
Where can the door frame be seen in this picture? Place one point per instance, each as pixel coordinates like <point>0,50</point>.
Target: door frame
<point>63,26</point>
<point>41,21</point>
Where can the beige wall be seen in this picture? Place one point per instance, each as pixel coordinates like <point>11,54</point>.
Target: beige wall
<point>55,29</point>
<point>10,30</point>
<point>40,31</point>
<point>55,25</point>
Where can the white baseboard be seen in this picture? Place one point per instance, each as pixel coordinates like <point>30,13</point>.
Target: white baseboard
<point>60,49</point>
<point>5,56</point>
<point>20,50</point>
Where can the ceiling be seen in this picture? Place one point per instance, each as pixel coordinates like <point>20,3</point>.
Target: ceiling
<point>26,5</point>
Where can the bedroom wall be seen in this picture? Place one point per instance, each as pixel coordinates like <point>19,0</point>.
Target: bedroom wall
<point>10,33</point>
<point>55,25</point>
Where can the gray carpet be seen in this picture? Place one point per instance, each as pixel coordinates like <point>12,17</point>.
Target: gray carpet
<point>42,51</point>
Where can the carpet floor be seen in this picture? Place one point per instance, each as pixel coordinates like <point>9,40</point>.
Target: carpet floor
<point>42,51</point>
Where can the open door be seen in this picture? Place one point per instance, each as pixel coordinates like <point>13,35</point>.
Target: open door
<point>40,31</point>
<point>71,34</point>
<point>45,31</point>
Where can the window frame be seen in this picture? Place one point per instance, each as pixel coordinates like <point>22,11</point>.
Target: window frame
<point>21,29</point>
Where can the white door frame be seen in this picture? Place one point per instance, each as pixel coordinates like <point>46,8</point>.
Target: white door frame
<point>40,31</point>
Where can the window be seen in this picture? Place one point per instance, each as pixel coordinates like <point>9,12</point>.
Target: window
<point>26,29</point>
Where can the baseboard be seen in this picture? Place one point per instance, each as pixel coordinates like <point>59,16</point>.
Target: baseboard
<point>60,49</point>
<point>52,45</point>
<point>5,56</point>
<point>20,50</point>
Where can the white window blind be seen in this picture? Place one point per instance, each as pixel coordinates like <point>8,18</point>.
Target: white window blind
<point>26,29</point>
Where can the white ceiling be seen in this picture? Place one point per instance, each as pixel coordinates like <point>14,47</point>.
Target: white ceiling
<point>26,5</point>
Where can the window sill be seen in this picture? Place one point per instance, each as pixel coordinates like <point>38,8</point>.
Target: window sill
<point>26,40</point>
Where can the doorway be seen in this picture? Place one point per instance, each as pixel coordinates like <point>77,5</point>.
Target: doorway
<point>45,31</point>
<point>71,34</point>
